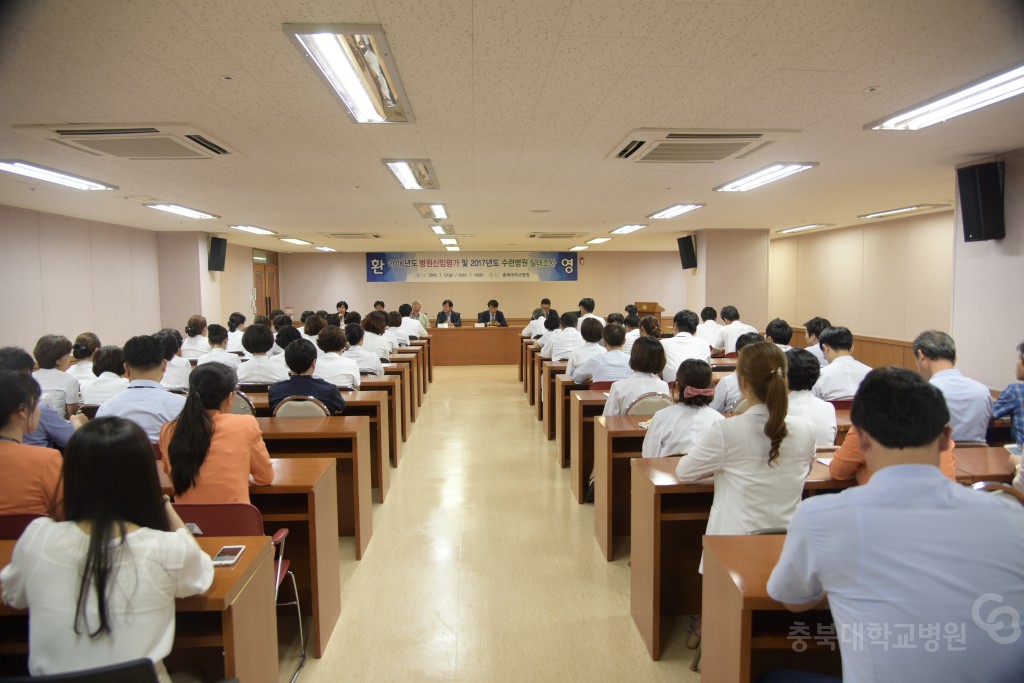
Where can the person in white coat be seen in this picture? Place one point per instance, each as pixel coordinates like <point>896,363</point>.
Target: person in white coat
<point>677,429</point>
<point>85,347</point>
<point>803,373</point>
<point>591,332</point>
<point>257,340</point>
<point>236,328</point>
<point>843,374</point>
<point>683,345</point>
<point>646,360</point>
<point>759,459</point>
<point>332,366</point>
<point>195,344</point>
<point>109,379</point>
<point>218,337</point>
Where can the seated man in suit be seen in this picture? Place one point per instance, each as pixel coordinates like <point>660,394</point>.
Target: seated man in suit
<point>909,549</point>
<point>545,305</point>
<point>448,316</point>
<point>301,359</point>
<point>492,316</point>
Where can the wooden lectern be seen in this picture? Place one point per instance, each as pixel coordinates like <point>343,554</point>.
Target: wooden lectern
<point>649,308</point>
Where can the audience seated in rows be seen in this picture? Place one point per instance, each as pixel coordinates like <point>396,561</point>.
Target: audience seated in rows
<point>813,328</point>
<point>779,333</point>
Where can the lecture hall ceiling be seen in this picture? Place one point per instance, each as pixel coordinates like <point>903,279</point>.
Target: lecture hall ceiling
<point>518,105</point>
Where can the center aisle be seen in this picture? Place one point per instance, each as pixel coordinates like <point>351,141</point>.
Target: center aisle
<point>482,567</point>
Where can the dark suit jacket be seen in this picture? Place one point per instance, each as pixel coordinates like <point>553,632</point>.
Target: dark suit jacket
<point>485,317</point>
<point>456,318</point>
<point>305,385</point>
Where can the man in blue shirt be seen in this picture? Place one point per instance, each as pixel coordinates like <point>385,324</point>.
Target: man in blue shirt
<point>145,402</point>
<point>924,577</point>
<point>969,401</point>
<point>300,356</point>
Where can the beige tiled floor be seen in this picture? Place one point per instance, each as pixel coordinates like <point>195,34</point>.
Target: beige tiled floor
<point>482,567</point>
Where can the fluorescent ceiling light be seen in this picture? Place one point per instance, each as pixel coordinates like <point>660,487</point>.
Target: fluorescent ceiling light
<point>776,171</point>
<point>325,249</point>
<point>579,248</point>
<point>801,228</point>
<point>52,176</point>
<point>989,91</point>
<point>413,174</point>
<point>355,61</point>
<point>674,210</point>
<point>292,240</point>
<point>253,229</point>
<point>182,211</point>
<point>905,209</point>
<point>449,240</point>
<point>626,229</point>
<point>438,229</point>
<point>452,248</point>
<point>599,240</point>
<point>432,212</point>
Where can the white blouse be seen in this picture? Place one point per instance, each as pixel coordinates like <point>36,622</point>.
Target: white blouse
<point>338,370</point>
<point>105,386</point>
<point>154,569</point>
<point>750,493</point>
<point>59,389</point>
<point>221,356</point>
<point>677,429</point>
<point>376,344</point>
<point>821,415</point>
<point>625,391</point>
<point>364,359</point>
<point>194,347</point>
<point>261,370</point>
<point>176,373</point>
<point>82,371</point>
<point>235,341</point>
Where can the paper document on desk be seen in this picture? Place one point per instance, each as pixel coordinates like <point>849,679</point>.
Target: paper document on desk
<point>606,394</point>
<point>824,461</point>
<point>1014,449</point>
<point>645,424</point>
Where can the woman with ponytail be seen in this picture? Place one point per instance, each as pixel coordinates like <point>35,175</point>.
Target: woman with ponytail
<point>196,344</point>
<point>85,347</point>
<point>759,459</point>
<point>209,452</point>
<point>100,587</point>
<point>236,328</point>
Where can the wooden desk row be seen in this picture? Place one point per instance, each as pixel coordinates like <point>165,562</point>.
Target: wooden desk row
<point>237,616</point>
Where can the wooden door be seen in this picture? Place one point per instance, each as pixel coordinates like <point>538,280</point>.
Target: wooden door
<point>259,278</point>
<point>273,298</point>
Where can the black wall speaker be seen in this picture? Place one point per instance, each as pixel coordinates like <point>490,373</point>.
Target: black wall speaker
<point>981,201</point>
<point>687,254</point>
<point>218,252</point>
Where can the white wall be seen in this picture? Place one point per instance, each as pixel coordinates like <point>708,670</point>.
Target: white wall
<point>988,281</point>
<point>62,275</point>
<point>891,279</point>
<point>314,281</point>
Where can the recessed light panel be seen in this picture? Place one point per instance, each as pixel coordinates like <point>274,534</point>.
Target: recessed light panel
<point>49,175</point>
<point>413,174</point>
<point>626,229</point>
<point>182,211</point>
<point>766,175</point>
<point>673,211</point>
<point>253,229</point>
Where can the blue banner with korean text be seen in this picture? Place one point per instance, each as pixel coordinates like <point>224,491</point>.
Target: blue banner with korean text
<point>535,266</point>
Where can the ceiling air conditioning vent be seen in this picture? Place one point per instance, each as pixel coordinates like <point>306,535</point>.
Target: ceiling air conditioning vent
<point>161,141</point>
<point>555,235</point>
<point>697,146</point>
<point>352,235</point>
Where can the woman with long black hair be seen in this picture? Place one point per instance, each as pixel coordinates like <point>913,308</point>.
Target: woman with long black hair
<point>209,452</point>
<point>100,587</point>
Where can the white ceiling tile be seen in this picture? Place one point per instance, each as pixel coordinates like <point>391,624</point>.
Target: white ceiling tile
<point>517,30</point>
<point>590,62</point>
<point>605,18</point>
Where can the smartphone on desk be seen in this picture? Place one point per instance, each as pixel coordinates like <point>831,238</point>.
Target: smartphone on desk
<point>228,555</point>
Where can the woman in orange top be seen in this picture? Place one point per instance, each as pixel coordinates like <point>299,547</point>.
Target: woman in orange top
<point>210,452</point>
<point>30,476</point>
<point>849,460</point>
